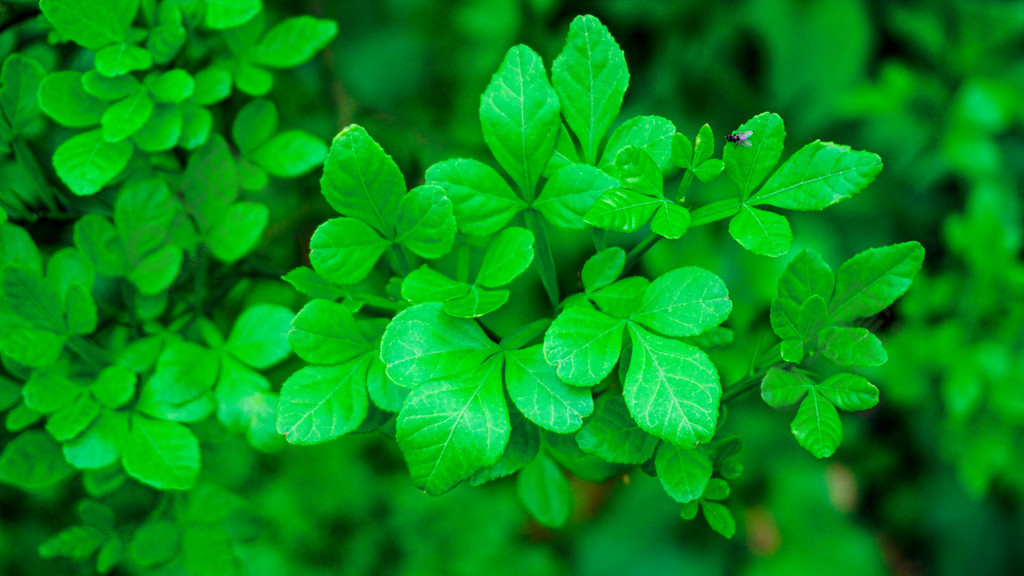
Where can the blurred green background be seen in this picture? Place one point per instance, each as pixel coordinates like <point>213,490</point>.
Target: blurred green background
<point>929,482</point>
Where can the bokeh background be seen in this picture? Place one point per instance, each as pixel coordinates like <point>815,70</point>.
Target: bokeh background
<point>929,482</point>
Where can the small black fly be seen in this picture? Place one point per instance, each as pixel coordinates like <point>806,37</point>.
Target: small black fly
<point>741,138</point>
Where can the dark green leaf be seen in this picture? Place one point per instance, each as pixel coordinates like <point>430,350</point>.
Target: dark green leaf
<point>523,446</point>
<point>70,420</point>
<point>76,543</point>
<point>294,41</point>
<point>290,154</point>
<point>590,77</point>
<point>87,162</point>
<point>32,299</point>
<point>545,491</point>
<point>255,124</point>
<point>519,115</point>
<point>21,77</point>
<point>260,335</point>
<point>33,460</point>
<point>613,435</point>
<point>719,518</point>
<point>91,23</point>
<point>683,472</point>
<point>184,372</point>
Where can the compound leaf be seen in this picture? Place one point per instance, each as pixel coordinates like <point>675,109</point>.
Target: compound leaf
<point>746,166</point>
<point>360,180</point>
<point>685,302</point>
<point>817,176</point>
<point>320,403</point>
<point>541,396</point>
<point>570,193</point>
<point>345,250</point>
<point>426,224</point>
<point>482,200</point>
<point>584,344</point>
<point>164,455</point>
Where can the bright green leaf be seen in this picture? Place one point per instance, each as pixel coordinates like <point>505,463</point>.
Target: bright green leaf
<point>683,472</point>
<point>124,118</point>
<point>817,427</point>
<point>613,435</point>
<point>622,298</point>
<point>482,200</point>
<point>651,133</point>
<point>114,386</point>
<point>294,41</point>
<point>805,276</point>
<point>849,392</point>
<point>120,59</point>
<point>87,162</point>
<point>541,396</point>
<point>173,86</point>
<point>33,460</point>
<point>255,123</point>
<point>70,420</point>
<point>260,335</point>
<point>164,455</point>
<point>507,256</point>
<point>671,221</point>
<point>849,346</point>
<point>325,332</point>
<point>320,403</point>
<point>584,344</point>
<point>426,224</point>
<point>238,231</point>
<point>685,302</point>
<point>476,302</point>
<point>762,232</point>
<point>290,154</point>
<point>32,298</point>
<point>783,389</point>
<point>21,77</point>
<point>91,23</point>
<point>426,285</point>
<point>223,14</point>
<point>749,166</point>
<point>345,250</point>
<point>872,280</point>
<point>622,210</point>
<point>361,181</point>
<point>603,268</point>
<point>545,491</point>
<point>62,97</point>
<point>570,193</point>
<point>817,176</point>
<point>719,518</point>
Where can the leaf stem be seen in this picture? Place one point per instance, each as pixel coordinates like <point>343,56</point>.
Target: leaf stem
<point>684,187</point>
<point>379,302</point>
<point>543,256</point>
<point>756,373</point>
<point>524,334</point>
<point>400,260</point>
<point>639,250</point>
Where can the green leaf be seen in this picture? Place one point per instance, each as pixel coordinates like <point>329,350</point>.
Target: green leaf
<point>476,302</point>
<point>164,455</point>
<point>805,276</point>
<point>360,180</point>
<point>106,88</point>
<point>683,472</point>
<point>849,346</point>
<point>223,14</point>
<point>70,420</point>
<point>238,231</point>
<point>252,80</point>
<point>849,392</point>
<point>156,542</point>
<point>482,200</point>
<point>584,344</point>
<point>91,23</point>
<point>681,151</point>
<point>717,489</point>
<point>426,224</point>
<point>120,59</point>
<point>196,123</point>
<point>671,221</point>
<point>613,435</point>
<point>545,491</point>
<point>325,332</point>
<point>32,298</point>
<point>165,41</point>
<point>519,115</point>
<point>590,77</point>
<point>507,256</point>
<point>651,133</point>
<point>637,171</point>
<point>817,176</point>
<point>17,247</point>
<point>719,518</point>
<point>32,347</point>
<point>345,250</point>
<point>603,268</point>
<point>173,86</point>
<point>385,394</point>
<point>308,282</point>
<point>260,335</point>
<point>294,41</point>
<point>87,162</point>
<point>622,298</point>
<point>127,116</point>
<point>145,213</point>
<point>450,428</point>
<point>622,210</point>
<point>255,124</point>
<point>541,396</point>
<point>708,170</point>
<point>100,444</point>
<point>423,343</point>
<point>184,372</point>
<point>817,427</point>
<point>47,391</point>
<point>156,272</point>
<point>672,389</point>
<point>320,403</point>
<point>570,193</point>
<point>162,131</point>
<point>761,232</point>
<point>21,77</point>
<point>290,154</point>
<point>114,386</point>
<point>110,555</point>
<point>783,389</point>
<point>872,280</point>
<point>522,448</point>
<point>32,460</point>
<point>76,543</point>
<point>212,86</point>
<point>685,302</point>
<point>426,285</point>
<point>564,155</point>
<point>749,166</point>
<point>704,145</point>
